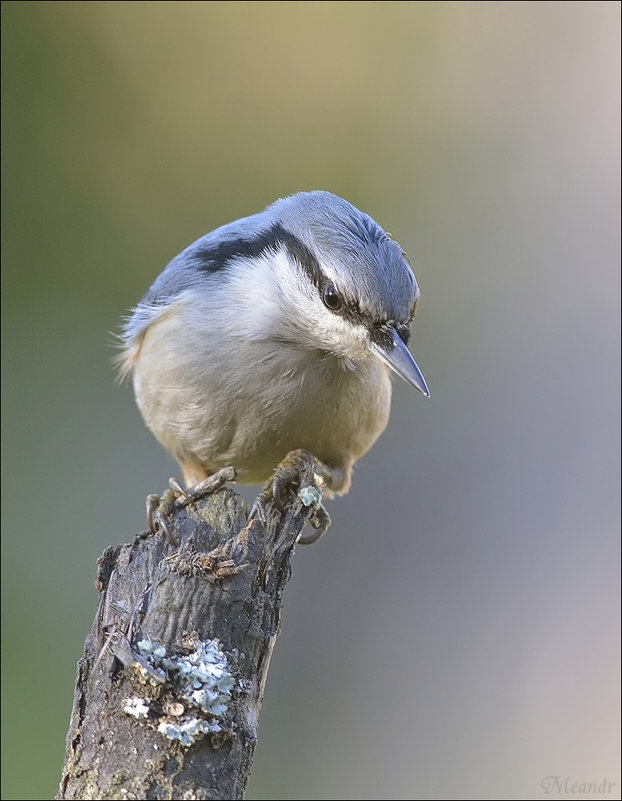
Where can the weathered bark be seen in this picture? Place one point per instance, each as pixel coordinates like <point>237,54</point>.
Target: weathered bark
<point>170,685</point>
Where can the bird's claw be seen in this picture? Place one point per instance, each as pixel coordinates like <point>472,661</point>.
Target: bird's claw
<point>320,522</point>
<point>298,478</point>
<point>298,469</point>
<point>161,507</point>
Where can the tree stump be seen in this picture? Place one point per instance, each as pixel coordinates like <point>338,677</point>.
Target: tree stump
<point>169,688</point>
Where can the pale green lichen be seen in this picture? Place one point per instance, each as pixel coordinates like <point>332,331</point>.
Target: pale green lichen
<point>136,707</point>
<point>200,684</point>
<point>189,731</point>
<point>309,496</point>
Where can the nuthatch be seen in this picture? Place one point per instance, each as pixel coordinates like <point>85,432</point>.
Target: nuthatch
<point>272,334</point>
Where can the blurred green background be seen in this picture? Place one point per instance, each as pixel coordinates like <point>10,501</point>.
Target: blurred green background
<point>456,633</point>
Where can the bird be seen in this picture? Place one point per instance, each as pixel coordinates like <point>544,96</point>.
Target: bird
<point>273,335</point>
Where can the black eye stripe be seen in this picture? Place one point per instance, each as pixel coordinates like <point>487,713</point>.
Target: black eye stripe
<point>219,255</point>
<point>380,331</point>
<point>216,257</point>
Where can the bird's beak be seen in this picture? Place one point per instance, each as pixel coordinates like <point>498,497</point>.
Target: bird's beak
<point>399,359</point>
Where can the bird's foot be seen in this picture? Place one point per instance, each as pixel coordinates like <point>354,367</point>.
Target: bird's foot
<point>298,479</point>
<point>320,521</point>
<point>160,508</point>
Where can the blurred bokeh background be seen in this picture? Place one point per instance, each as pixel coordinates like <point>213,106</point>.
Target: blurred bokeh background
<point>456,633</point>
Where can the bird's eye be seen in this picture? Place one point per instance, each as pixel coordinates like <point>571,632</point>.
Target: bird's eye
<point>332,299</point>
